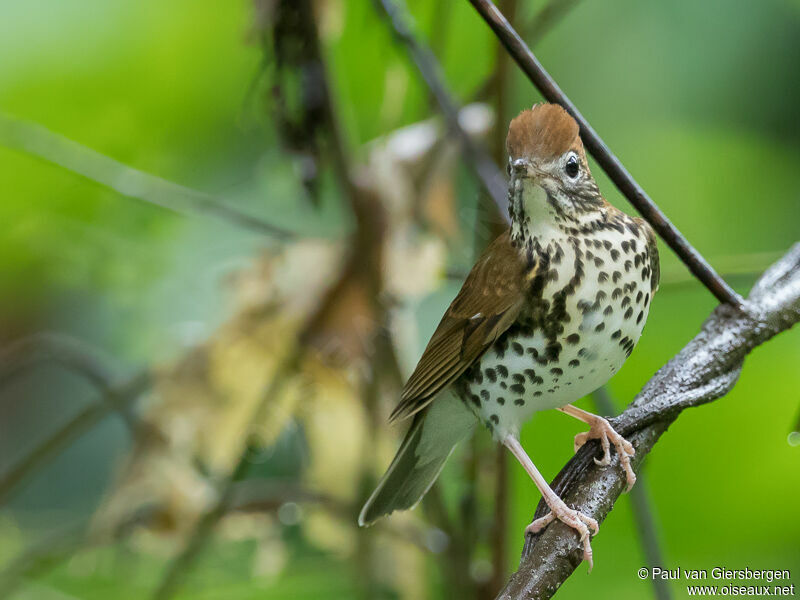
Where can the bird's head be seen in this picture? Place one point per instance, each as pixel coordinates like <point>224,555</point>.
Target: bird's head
<point>550,179</point>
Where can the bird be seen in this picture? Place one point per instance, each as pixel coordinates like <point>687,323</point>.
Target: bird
<point>549,313</point>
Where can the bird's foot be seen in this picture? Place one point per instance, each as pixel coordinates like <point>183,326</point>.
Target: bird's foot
<point>601,429</point>
<point>585,526</point>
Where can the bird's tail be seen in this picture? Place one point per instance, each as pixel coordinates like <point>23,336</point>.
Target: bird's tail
<point>429,442</point>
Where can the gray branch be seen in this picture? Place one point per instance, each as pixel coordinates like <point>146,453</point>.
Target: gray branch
<point>476,155</point>
<point>75,356</point>
<point>51,347</point>
<point>706,369</point>
<point>36,140</point>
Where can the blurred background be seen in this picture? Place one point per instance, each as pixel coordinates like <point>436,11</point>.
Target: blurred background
<point>228,230</point>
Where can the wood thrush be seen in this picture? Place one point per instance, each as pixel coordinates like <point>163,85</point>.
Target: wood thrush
<point>551,310</point>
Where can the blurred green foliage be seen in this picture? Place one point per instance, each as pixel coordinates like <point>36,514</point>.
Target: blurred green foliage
<point>698,99</point>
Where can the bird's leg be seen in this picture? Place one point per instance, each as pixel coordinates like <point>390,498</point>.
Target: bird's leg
<point>558,509</point>
<point>600,428</point>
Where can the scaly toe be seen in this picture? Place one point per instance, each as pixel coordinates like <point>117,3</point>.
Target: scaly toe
<point>603,431</point>
<point>580,440</point>
<point>626,451</point>
<point>540,523</point>
<point>603,462</point>
<point>630,476</point>
<point>587,554</point>
<point>585,526</point>
<point>590,522</point>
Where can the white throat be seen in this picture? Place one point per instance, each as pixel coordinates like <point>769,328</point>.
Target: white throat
<point>534,217</point>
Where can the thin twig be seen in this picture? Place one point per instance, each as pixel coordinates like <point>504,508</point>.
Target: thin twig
<point>230,488</point>
<point>607,161</point>
<point>38,141</point>
<point>706,369</point>
<point>477,157</point>
<point>542,23</point>
<point>289,365</point>
<point>641,506</point>
<point>69,352</point>
<point>642,509</point>
<point>177,569</point>
<point>88,362</point>
<point>116,398</point>
<point>338,151</point>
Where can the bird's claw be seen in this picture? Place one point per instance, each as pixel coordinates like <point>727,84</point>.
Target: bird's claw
<point>585,525</point>
<point>601,430</point>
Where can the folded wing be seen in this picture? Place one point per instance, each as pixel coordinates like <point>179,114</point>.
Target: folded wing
<point>489,302</point>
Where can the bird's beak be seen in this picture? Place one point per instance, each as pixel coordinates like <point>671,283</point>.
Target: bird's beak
<point>519,166</point>
<point>522,168</point>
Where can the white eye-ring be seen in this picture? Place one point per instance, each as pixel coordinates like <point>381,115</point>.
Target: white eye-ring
<point>572,166</point>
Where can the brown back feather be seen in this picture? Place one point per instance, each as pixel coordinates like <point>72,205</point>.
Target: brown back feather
<point>489,302</point>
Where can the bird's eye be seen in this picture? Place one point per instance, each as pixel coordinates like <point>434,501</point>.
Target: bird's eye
<point>572,167</point>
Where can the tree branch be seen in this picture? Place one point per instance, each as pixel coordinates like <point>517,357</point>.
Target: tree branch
<point>38,141</point>
<point>477,157</point>
<point>706,369</point>
<point>542,23</point>
<point>641,508</point>
<point>75,356</point>
<point>115,398</point>
<point>66,351</point>
<point>604,157</point>
<point>176,570</point>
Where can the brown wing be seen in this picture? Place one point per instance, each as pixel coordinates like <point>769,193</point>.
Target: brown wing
<point>652,251</point>
<point>488,303</point>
